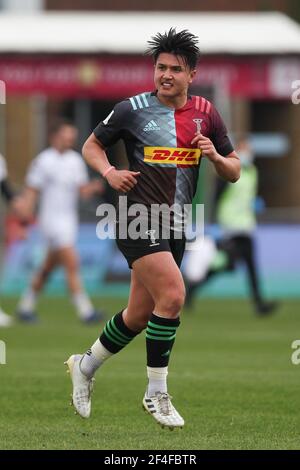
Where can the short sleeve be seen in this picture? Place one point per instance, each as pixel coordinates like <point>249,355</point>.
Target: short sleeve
<point>219,136</point>
<point>3,169</point>
<point>111,129</point>
<point>36,174</point>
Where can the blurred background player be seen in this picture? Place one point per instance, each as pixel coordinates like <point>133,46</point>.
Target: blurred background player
<point>236,217</point>
<point>57,177</point>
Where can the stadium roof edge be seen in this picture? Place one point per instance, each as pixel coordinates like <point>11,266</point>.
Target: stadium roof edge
<point>127,32</point>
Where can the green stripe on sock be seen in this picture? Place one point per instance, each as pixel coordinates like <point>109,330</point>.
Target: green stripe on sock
<point>157,332</point>
<point>159,338</point>
<point>109,334</point>
<point>113,325</point>
<point>115,333</point>
<point>154,325</point>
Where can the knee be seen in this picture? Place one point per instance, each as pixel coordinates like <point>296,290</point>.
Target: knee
<point>172,302</point>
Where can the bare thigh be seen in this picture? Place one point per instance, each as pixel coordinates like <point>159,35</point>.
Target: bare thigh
<point>161,277</point>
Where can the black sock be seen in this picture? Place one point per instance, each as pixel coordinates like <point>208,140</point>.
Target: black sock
<point>160,337</point>
<point>116,335</point>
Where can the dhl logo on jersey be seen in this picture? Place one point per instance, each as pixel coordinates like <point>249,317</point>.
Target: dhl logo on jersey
<point>177,156</point>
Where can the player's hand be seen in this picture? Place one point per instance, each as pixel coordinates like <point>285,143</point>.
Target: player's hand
<point>97,186</point>
<point>206,146</point>
<point>122,180</point>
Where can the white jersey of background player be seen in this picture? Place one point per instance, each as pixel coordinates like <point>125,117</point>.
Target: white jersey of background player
<point>58,176</point>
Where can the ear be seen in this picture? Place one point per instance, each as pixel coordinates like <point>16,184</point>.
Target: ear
<point>192,75</point>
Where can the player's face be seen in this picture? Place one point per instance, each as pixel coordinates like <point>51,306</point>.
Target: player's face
<point>172,76</point>
<point>66,137</point>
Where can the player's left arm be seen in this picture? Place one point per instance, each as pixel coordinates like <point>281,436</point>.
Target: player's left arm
<point>228,167</point>
<point>216,146</point>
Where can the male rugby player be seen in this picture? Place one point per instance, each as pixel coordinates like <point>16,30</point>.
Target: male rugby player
<point>165,132</point>
<point>57,177</point>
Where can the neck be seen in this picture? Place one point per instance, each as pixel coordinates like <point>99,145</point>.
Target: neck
<point>173,102</point>
<point>59,148</point>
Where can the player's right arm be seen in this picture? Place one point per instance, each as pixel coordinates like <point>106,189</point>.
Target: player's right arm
<point>109,131</point>
<point>36,179</point>
<point>24,204</point>
<point>95,156</point>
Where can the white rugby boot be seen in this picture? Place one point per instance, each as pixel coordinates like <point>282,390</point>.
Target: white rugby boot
<point>162,410</point>
<point>82,387</point>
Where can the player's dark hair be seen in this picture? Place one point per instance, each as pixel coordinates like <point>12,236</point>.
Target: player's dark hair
<point>58,124</point>
<point>183,44</point>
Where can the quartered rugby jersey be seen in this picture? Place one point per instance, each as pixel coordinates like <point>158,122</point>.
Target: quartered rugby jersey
<point>158,144</point>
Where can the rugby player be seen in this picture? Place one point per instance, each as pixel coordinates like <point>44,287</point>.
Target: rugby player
<point>165,132</point>
<point>57,177</point>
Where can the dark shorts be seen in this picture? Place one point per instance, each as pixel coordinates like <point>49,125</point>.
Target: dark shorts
<point>135,249</point>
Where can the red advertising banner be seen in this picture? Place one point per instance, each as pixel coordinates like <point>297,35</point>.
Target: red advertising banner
<point>115,77</point>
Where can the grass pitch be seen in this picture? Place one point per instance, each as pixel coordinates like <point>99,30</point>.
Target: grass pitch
<point>231,377</point>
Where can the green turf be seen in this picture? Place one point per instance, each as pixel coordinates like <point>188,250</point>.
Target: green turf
<point>231,378</point>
